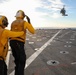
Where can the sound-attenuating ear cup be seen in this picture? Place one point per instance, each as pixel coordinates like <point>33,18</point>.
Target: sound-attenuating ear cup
<point>5,22</point>
<point>20,14</point>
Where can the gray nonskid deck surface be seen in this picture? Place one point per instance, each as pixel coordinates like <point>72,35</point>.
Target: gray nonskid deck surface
<point>57,58</point>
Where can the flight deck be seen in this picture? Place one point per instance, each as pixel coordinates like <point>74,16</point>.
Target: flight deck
<point>49,52</point>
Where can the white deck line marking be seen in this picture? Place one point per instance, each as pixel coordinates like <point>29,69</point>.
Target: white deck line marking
<point>34,55</point>
<point>64,34</point>
<point>7,58</point>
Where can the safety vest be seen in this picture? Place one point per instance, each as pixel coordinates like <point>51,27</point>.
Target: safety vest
<point>3,48</point>
<point>18,25</point>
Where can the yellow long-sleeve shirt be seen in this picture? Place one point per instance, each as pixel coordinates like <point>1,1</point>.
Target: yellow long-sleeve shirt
<point>6,34</point>
<point>26,26</point>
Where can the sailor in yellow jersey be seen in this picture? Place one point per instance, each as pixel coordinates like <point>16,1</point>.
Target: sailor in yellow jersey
<point>4,36</point>
<point>17,44</point>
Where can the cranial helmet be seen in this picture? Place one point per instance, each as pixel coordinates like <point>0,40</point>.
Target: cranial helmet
<point>20,14</point>
<point>3,21</point>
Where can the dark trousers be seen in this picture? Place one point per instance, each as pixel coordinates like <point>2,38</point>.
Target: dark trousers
<point>3,68</point>
<point>19,56</point>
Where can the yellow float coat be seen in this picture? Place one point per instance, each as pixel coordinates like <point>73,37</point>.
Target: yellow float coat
<point>26,26</point>
<point>6,34</point>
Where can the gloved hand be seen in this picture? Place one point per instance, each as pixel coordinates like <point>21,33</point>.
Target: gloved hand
<point>28,19</point>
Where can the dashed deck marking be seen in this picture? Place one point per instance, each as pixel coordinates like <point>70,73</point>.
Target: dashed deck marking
<point>34,55</point>
<point>64,34</point>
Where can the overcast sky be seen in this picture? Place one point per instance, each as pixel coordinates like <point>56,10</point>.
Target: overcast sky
<point>43,13</point>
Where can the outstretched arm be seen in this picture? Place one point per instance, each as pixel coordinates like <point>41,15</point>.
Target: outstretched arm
<point>13,33</point>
